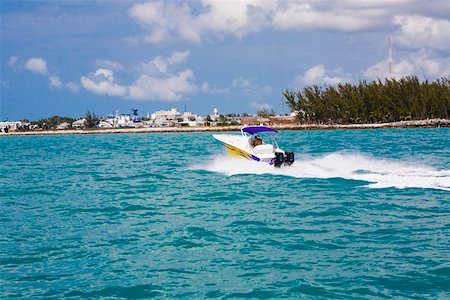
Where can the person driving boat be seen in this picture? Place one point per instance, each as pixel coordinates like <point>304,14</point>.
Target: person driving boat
<point>256,141</point>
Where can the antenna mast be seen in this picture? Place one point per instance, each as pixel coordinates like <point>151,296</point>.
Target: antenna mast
<point>389,57</point>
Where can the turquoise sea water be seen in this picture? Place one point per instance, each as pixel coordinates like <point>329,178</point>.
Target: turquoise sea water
<point>360,214</point>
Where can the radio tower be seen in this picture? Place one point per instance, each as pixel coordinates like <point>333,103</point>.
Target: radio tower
<point>389,57</point>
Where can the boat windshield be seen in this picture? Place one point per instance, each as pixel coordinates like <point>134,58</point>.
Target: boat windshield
<point>267,135</point>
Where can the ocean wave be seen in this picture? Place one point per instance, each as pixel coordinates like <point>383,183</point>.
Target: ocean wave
<point>380,173</point>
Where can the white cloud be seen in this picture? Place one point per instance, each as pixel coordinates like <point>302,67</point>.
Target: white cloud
<point>108,64</point>
<point>168,88</point>
<point>156,80</point>
<point>242,83</point>
<point>248,87</point>
<point>160,81</point>
<point>239,18</point>
<point>215,17</point>
<point>178,57</point>
<point>207,89</point>
<point>55,82</point>
<point>380,70</point>
<point>72,86</point>
<point>423,64</point>
<point>432,67</point>
<point>301,15</point>
<point>320,75</point>
<point>165,21</point>
<point>160,65</point>
<point>37,65</point>
<point>193,21</point>
<point>423,32</point>
<point>102,82</point>
<point>12,62</point>
<point>258,106</point>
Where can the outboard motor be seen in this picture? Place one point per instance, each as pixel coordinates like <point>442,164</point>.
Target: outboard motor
<point>279,159</point>
<point>289,158</point>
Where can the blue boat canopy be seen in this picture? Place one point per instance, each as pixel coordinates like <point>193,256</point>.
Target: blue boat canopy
<point>256,129</point>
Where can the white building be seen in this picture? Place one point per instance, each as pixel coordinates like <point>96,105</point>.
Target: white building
<point>63,125</point>
<point>78,123</point>
<point>215,116</point>
<point>166,118</point>
<point>172,114</point>
<point>162,122</point>
<point>173,117</point>
<point>13,125</point>
<point>123,121</point>
<point>104,124</point>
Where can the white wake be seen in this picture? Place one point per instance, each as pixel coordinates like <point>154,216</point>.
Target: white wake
<point>379,173</point>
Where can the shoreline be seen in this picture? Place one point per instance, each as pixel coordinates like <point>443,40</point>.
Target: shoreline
<point>430,123</point>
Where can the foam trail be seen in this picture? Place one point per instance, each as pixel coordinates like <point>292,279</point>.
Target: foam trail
<point>380,173</point>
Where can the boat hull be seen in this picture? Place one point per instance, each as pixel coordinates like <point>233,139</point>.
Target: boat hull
<point>239,152</point>
<point>251,146</point>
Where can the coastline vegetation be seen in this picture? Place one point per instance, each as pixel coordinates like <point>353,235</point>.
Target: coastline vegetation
<point>91,120</point>
<point>372,102</point>
<point>364,104</point>
<point>52,122</point>
<point>265,113</point>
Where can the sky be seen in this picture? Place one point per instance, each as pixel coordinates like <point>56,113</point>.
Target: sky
<point>69,57</point>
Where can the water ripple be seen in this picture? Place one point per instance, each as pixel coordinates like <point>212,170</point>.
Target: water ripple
<point>140,216</point>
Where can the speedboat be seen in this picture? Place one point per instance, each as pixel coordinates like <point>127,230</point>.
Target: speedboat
<point>250,145</point>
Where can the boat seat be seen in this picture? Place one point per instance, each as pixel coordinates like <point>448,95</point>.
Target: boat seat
<point>263,149</point>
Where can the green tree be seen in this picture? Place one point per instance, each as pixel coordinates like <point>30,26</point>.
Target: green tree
<point>370,102</point>
<point>90,120</point>
<point>52,122</point>
<point>208,120</point>
<point>265,112</point>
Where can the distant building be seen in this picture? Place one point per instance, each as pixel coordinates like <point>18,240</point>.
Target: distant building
<point>171,114</point>
<point>122,120</point>
<point>233,119</point>
<point>63,125</point>
<point>215,115</point>
<point>283,120</point>
<point>249,121</point>
<point>162,122</point>
<point>78,123</point>
<point>104,124</point>
<point>13,125</point>
<point>173,117</point>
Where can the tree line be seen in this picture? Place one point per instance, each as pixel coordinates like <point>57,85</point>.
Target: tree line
<point>90,121</point>
<point>372,102</point>
<point>52,122</point>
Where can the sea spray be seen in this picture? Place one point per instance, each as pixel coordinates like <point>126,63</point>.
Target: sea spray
<point>380,173</point>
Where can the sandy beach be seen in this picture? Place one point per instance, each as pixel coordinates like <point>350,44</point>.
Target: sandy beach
<point>400,124</point>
